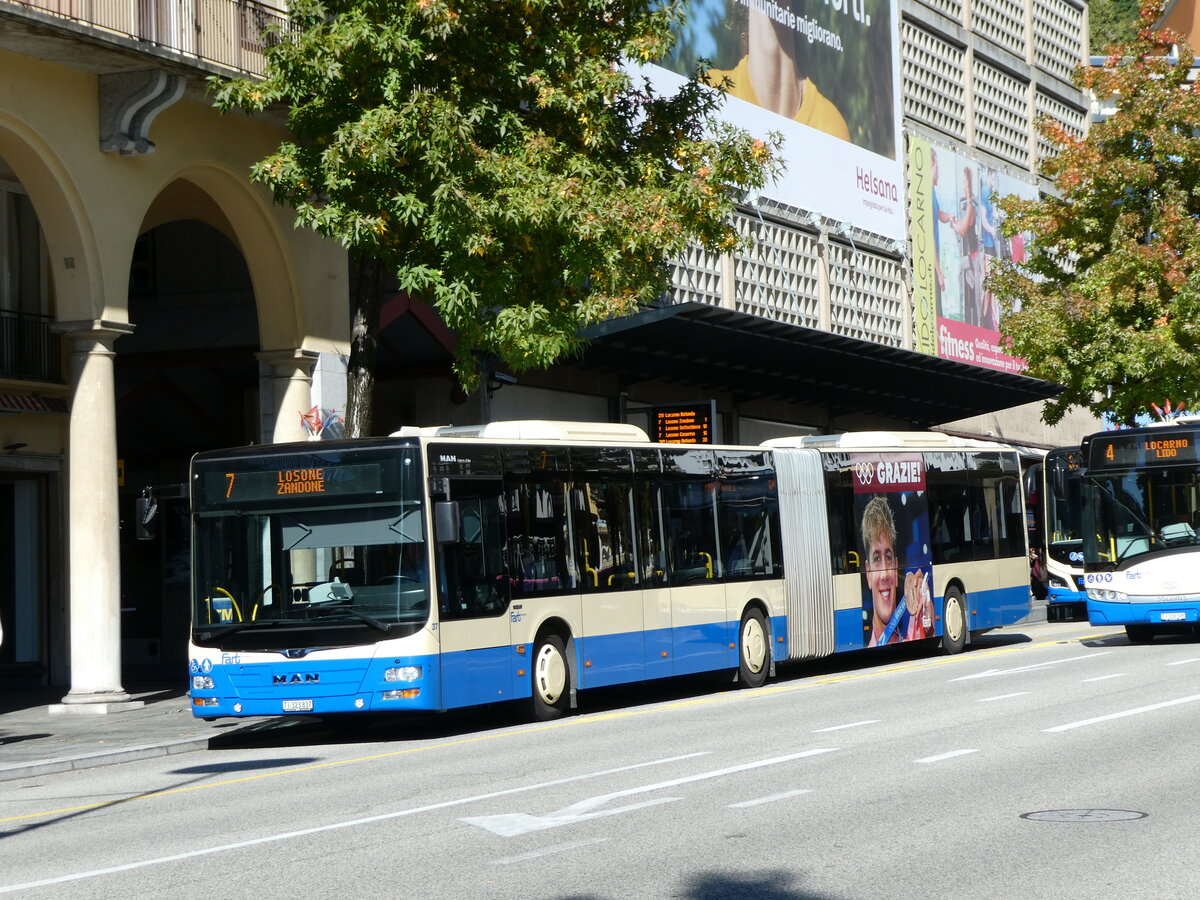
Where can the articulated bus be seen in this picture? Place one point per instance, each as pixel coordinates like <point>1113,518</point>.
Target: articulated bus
<point>451,567</point>
<point>1054,501</point>
<point>1141,514</point>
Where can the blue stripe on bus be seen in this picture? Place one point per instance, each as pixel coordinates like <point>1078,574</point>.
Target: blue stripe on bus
<point>1102,612</point>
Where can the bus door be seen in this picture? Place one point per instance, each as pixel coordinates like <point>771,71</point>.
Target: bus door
<point>604,543</point>
<point>700,627</point>
<point>473,597</point>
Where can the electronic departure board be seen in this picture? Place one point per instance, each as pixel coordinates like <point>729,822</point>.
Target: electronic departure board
<point>1165,447</point>
<point>228,485</point>
<point>683,424</point>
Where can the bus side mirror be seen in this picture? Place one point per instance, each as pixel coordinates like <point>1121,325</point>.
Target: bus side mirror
<point>445,522</point>
<point>144,510</point>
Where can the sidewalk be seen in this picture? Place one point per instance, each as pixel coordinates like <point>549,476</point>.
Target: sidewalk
<point>34,742</point>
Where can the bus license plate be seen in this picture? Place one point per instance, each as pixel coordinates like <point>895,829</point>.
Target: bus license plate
<point>297,705</point>
<point>1172,616</point>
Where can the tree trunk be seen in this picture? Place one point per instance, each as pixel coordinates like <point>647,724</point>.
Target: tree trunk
<point>364,345</point>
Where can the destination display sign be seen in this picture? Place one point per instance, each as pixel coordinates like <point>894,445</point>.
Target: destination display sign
<point>315,481</point>
<point>683,424</point>
<point>1121,451</point>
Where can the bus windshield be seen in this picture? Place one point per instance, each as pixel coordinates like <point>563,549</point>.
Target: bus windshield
<point>332,546</point>
<point>1064,527</point>
<point>1142,511</point>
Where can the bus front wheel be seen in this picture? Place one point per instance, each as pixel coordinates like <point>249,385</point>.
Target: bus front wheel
<point>1139,634</point>
<point>551,679</point>
<point>754,650</point>
<point>954,621</point>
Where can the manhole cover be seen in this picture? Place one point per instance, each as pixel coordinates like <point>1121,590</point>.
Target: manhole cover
<point>1084,815</point>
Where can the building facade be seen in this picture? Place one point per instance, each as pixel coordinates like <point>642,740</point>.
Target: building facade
<point>155,303</point>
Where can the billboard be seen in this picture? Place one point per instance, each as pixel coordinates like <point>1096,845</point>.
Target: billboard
<point>822,73</point>
<point>893,524</point>
<point>955,238</point>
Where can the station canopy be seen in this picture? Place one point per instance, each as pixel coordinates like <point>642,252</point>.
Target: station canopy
<point>718,349</point>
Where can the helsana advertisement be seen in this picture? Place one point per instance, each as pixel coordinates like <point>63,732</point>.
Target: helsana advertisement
<point>825,75</point>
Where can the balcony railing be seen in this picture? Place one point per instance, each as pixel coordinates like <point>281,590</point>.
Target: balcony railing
<point>229,33</point>
<point>28,348</point>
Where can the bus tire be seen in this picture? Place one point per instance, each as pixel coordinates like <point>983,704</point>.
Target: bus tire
<point>954,621</point>
<point>754,650</point>
<point>1139,634</point>
<point>551,675</point>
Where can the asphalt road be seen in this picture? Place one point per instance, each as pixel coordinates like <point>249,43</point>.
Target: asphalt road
<point>1045,762</point>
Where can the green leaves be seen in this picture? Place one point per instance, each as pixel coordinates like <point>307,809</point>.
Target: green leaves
<point>1106,304</point>
<point>500,159</point>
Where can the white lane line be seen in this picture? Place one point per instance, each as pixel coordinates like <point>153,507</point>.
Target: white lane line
<point>1003,696</point>
<point>548,851</point>
<point>1180,662</point>
<point>993,673</point>
<point>1120,715</point>
<point>847,725</point>
<point>518,823</point>
<point>319,829</point>
<point>786,795</point>
<point>943,756</point>
<point>1104,677</point>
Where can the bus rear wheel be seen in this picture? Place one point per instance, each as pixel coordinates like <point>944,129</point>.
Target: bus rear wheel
<point>754,650</point>
<point>551,675</point>
<point>954,621</point>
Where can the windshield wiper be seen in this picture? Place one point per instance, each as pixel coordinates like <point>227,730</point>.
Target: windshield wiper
<point>222,630</point>
<point>361,616</point>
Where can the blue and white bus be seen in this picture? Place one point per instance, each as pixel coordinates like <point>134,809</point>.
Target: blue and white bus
<point>1141,516</point>
<point>450,567</point>
<point>1054,501</point>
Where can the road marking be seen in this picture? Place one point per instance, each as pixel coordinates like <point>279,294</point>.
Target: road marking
<point>515,824</point>
<point>769,690</point>
<point>786,795</point>
<point>547,851</point>
<point>1123,714</point>
<point>992,673</point>
<point>944,756</point>
<point>334,826</point>
<point>1180,662</point>
<point>1003,696</point>
<point>848,725</point>
<point>1103,677</point>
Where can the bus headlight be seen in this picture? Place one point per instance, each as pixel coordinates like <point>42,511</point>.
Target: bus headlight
<point>202,683</point>
<point>402,673</point>
<point>1107,596</point>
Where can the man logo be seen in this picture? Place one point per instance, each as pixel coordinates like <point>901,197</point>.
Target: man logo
<point>864,472</point>
<point>297,678</point>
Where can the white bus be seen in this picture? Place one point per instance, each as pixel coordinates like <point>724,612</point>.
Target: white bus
<point>1053,498</point>
<point>451,567</point>
<point>1141,514</point>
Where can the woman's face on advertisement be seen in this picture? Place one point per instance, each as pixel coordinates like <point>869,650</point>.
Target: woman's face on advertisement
<point>881,576</point>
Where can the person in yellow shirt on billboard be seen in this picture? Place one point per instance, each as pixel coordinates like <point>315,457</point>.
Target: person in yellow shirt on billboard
<point>770,75</point>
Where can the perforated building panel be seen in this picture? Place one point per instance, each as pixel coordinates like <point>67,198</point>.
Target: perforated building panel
<point>1057,37</point>
<point>1002,22</point>
<point>697,277</point>
<point>1071,117</point>
<point>778,278</point>
<point>1002,122</point>
<point>932,80</point>
<point>866,296</point>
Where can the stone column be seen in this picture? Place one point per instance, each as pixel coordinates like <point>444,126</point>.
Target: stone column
<point>94,570</point>
<point>288,379</point>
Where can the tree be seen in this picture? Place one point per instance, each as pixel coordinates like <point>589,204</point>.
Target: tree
<point>1108,301</point>
<point>501,159</point>
<point>1111,22</point>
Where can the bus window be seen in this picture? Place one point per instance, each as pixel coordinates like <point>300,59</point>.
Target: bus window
<point>472,570</point>
<point>691,531</point>
<point>746,511</point>
<point>602,526</point>
<point>537,536</point>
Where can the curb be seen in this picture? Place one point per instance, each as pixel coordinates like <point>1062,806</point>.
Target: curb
<point>106,758</point>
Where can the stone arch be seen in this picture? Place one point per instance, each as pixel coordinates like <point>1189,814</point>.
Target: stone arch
<point>226,200</point>
<point>71,242</point>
